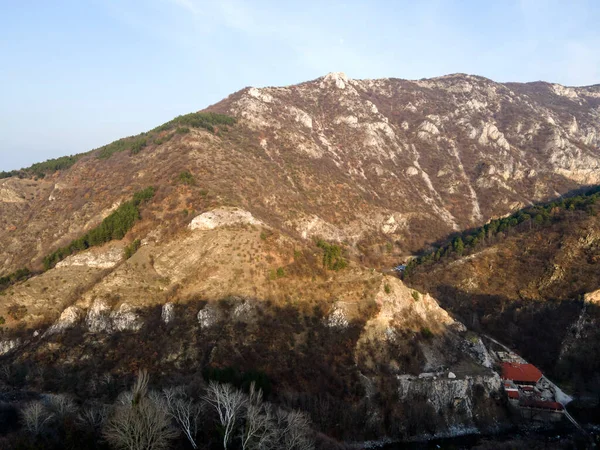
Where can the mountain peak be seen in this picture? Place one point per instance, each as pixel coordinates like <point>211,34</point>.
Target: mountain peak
<point>338,78</point>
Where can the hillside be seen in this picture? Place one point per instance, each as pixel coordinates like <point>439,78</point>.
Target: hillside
<point>369,162</point>
<point>532,284</point>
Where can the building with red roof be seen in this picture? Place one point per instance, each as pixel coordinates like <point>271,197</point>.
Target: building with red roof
<point>541,404</point>
<point>526,374</point>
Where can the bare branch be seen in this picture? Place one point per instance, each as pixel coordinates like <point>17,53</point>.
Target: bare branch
<point>184,411</point>
<point>294,430</point>
<point>36,418</point>
<point>229,403</point>
<point>138,422</point>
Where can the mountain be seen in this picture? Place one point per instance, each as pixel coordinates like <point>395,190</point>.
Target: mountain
<point>239,243</point>
<point>362,161</point>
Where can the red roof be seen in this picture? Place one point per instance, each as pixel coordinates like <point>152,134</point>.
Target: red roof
<point>513,394</point>
<point>542,404</point>
<point>521,372</point>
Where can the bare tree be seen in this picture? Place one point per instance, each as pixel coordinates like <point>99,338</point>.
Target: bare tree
<point>138,423</point>
<point>140,387</point>
<point>259,431</point>
<point>185,412</point>
<point>295,432</point>
<point>36,418</point>
<point>229,403</point>
<point>92,417</point>
<point>60,405</point>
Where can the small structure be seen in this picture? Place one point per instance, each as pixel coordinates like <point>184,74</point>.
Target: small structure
<point>521,374</point>
<point>400,268</point>
<point>513,395</point>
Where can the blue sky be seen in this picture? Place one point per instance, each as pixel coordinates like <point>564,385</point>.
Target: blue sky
<point>75,75</point>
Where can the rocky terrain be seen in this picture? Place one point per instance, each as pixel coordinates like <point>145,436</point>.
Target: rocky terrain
<point>361,161</point>
<point>534,287</point>
<point>257,246</point>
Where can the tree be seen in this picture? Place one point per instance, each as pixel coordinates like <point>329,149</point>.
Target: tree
<point>92,417</point>
<point>259,431</point>
<point>36,418</point>
<point>184,411</point>
<point>538,219</point>
<point>229,403</point>
<point>60,406</point>
<point>138,421</point>
<point>294,431</point>
<point>459,246</point>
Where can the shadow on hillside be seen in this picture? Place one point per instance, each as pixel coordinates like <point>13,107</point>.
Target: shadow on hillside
<point>535,329</point>
<point>561,337</point>
<point>295,358</point>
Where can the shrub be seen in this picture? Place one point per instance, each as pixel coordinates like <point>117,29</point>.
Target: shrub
<point>132,144</point>
<point>15,277</point>
<point>138,145</point>
<point>415,295</point>
<point>332,256</point>
<point>186,177</point>
<point>280,272</point>
<point>132,248</point>
<point>17,312</point>
<point>2,320</point>
<point>206,120</point>
<point>387,288</point>
<point>426,333</point>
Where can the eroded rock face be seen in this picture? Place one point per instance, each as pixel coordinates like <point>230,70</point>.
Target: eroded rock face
<point>244,311</point>
<point>101,318</point>
<point>221,217</point>
<point>98,317</point>
<point>94,259</point>
<point>478,136</point>
<point>9,345</point>
<point>332,154</point>
<point>168,313</point>
<point>337,318</point>
<point>451,397</point>
<point>593,297</point>
<point>125,318</point>
<point>209,315</point>
<point>68,319</point>
<point>8,195</point>
<point>401,304</point>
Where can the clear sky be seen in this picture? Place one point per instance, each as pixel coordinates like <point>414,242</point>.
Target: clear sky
<point>77,74</point>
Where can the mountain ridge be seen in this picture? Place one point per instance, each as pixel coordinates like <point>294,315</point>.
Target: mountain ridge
<point>422,158</point>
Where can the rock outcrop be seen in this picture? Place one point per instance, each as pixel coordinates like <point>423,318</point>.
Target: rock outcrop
<point>223,217</point>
